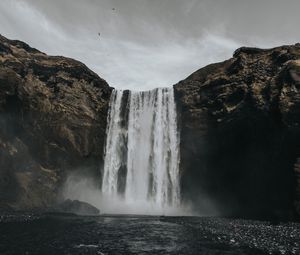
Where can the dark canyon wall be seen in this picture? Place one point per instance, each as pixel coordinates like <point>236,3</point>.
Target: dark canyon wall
<point>240,133</point>
<point>52,120</point>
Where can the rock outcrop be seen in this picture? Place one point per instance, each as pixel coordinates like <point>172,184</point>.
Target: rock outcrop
<point>52,120</point>
<point>75,207</point>
<point>240,133</point>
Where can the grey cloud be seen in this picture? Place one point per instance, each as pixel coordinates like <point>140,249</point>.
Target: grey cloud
<point>149,43</point>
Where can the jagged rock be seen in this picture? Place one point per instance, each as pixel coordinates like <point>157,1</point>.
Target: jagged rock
<point>52,120</point>
<point>240,133</point>
<point>76,207</point>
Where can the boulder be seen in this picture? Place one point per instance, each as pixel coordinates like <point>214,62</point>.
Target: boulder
<point>76,207</point>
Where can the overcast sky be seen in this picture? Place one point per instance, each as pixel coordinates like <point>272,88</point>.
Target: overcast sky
<point>149,43</point>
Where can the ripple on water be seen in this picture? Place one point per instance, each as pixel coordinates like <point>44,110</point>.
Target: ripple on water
<point>144,235</point>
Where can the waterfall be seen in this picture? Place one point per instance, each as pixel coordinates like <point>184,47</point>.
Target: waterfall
<point>141,161</point>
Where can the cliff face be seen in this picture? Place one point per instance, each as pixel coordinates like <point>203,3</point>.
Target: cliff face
<point>240,133</point>
<point>52,120</point>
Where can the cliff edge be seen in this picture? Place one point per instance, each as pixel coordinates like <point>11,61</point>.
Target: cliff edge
<point>53,119</point>
<point>239,121</point>
<point>240,133</point>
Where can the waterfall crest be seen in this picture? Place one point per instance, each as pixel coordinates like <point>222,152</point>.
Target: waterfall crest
<point>141,161</point>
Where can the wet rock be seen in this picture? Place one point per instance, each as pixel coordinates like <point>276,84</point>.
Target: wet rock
<point>76,207</point>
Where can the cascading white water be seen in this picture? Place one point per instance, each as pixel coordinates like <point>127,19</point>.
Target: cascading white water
<point>141,162</point>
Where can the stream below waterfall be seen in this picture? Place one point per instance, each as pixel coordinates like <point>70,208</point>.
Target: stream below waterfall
<point>110,235</point>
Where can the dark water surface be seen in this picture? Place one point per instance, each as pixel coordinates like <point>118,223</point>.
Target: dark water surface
<point>58,234</point>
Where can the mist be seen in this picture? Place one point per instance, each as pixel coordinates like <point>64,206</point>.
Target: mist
<point>78,187</point>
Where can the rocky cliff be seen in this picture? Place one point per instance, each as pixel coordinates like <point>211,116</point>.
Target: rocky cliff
<point>52,120</point>
<point>239,121</point>
<point>240,133</point>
